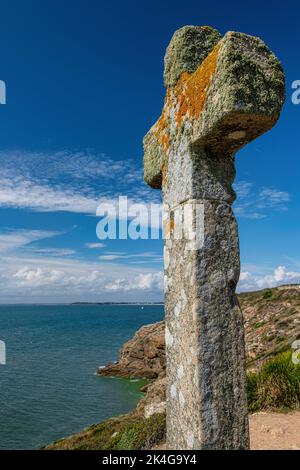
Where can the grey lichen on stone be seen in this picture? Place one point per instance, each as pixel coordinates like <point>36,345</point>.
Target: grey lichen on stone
<point>245,97</point>
<point>188,48</point>
<point>233,92</point>
<point>153,159</point>
<point>242,99</point>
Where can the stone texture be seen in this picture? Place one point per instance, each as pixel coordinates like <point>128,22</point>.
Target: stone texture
<point>245,95</point>
<point>220,96</point>
<point>154,400</point>
<point>206,404</point>
<point>235,95</point>
<point>188,48</point>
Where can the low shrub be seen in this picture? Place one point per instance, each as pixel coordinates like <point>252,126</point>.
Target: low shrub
<point>276,385</point>
<point>267,294</point>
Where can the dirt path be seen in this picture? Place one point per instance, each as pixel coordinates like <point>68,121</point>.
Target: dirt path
<point>272,431</point>
<point>275,431</point>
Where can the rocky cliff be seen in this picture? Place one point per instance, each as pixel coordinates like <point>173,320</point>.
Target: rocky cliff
<point>272,323</point>
<point>141,356</point>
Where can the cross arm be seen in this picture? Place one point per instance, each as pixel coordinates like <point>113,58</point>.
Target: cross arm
<point>234,94</point>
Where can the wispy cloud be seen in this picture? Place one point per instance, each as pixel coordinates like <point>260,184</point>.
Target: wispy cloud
<point>258,203</point>
<point>142,282</point>
<point>95,245</point>
<point>243,188</point>
<point>65,181</point>
<point>54,251</point>
<point>23,193</point>
<point>149,256</point>
<point>13,240</point>
<point>21,242</point>
<point>293,261</point>
<point>273,199</point>
<point>30,273</point>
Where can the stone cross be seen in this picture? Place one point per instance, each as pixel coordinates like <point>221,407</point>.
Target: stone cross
<point>222,92</point>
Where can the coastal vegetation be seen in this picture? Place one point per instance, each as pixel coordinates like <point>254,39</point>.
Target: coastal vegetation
<point>272,323</point>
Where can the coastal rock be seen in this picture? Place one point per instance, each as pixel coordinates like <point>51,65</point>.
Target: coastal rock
<point>272,323</point>
<point>154,400</point>
<point>142,356</point>
<point>270,310</point>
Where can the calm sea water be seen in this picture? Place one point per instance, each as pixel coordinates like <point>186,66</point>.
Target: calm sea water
<point>49,389</point>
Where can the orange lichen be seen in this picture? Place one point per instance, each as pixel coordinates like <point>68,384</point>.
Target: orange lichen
<point>186,98</point>
<point>161,130</point>
<point>168,226</point>
<point>164,170</point>
<point>172,223</point>
<point>191,89</point>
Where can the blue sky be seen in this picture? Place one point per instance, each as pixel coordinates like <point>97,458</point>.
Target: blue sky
<point>84,84</point>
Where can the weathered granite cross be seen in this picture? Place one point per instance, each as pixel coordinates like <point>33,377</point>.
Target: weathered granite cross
<point>221,94</point>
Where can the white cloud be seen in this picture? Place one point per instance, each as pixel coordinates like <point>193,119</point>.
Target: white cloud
<point>54,251</point>
<point>245,276</point>
<point>280,275</point>
<point>272,198</point>
<point>28,194</point>
<point>30,274</point>
<point>114,255</point>
<point>243,188</point>
<point>110,257</point>
<point>45,274</point>
<point>43,279</point>
<point>142,282</point>
<point>95,245</point>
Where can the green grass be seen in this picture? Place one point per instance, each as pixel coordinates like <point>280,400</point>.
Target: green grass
<point>143,434</point>
<point>276,385</point>
<point>127,432</point>
<point>259,324</point>
<point>267,294</point>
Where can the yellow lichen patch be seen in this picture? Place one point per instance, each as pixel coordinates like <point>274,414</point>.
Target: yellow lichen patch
<point>161,128</point>
<point>168,227</point>
<point>164,177</point>
<point>186,98</point>
<point>165,140</point>
<point>164,170</point>
<point>191,89</point>
<point>172,223</point>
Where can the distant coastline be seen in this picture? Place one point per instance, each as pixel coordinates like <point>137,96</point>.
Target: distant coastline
<point>117,303</point>
<point>51,304</point>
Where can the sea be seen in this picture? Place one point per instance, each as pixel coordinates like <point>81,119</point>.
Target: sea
<point>48,387</point>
